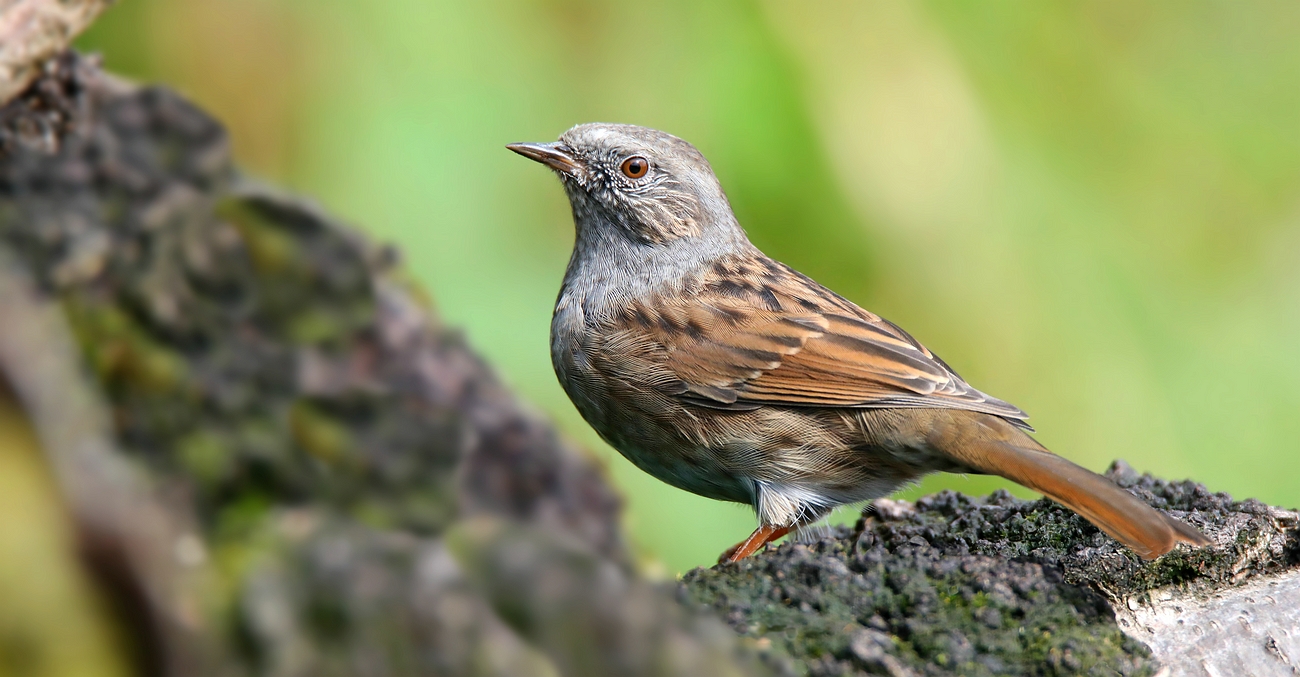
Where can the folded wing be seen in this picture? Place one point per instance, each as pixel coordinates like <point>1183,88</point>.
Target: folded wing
<point>753,332</point>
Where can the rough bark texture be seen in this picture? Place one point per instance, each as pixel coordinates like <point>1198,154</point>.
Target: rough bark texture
<point>310,431</point>
<point>33,31</point>
<point>956,585</point>
<point>276,461</point>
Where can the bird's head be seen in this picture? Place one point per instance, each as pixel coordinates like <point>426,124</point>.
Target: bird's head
<point>650,186</point>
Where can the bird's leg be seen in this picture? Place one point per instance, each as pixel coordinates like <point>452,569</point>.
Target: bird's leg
<point>762,536</point>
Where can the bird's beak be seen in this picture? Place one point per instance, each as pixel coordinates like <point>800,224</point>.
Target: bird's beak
<point>556,155</point>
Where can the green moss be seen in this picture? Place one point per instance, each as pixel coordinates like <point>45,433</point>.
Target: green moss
<point>272,250</point>
<point>979,586</point>
<point>239,519</point>
<point>946,615</point>
<point>313,283</point>
<point>322,437</point>
<point>205,456</point>
<point>122,353</point>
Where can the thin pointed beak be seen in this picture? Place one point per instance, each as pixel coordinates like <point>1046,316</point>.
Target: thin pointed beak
<point>555,155</point>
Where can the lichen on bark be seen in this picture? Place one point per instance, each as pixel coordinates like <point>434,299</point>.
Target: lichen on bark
<point>989,586</point>
<point>306,426</point>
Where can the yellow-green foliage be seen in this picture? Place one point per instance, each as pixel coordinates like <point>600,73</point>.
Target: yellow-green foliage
<point>52,624</point>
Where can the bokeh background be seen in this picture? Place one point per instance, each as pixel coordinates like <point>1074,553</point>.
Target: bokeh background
<point>1089,209</point>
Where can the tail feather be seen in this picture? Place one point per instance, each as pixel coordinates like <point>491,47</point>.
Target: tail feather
<point>1017,457</point>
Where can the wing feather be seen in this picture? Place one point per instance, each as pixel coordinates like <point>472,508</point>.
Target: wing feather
<point>753,332</point>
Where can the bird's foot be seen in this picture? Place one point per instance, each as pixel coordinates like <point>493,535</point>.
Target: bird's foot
<point>762,536</point>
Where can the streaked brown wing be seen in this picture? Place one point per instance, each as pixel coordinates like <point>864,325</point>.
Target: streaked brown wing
<point>754,332</point>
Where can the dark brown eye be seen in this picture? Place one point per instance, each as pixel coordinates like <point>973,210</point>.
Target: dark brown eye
<point>635,167</point>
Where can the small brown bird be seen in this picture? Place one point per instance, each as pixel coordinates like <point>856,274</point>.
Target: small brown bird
<point>725,373</point>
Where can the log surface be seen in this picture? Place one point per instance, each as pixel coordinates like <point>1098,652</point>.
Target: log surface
<point>997,585</point>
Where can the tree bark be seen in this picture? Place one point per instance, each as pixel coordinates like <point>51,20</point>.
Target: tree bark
<point>34,31</point>
<point>291,467</point>
<point>996,586</point>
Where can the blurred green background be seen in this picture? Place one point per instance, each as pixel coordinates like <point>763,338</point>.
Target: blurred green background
<point>1089,209</point>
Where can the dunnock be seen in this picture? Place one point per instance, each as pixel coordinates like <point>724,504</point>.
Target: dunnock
<point>728,374</point>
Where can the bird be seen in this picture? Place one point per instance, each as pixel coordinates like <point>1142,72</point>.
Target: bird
<point>728,374</point>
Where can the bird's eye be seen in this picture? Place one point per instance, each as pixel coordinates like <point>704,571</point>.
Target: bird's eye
<point>635,167</point>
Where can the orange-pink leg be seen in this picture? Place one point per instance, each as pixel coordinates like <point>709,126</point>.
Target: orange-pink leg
<point>761,537</point>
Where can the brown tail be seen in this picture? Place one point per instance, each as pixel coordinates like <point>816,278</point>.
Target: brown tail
<point>994,447</point>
